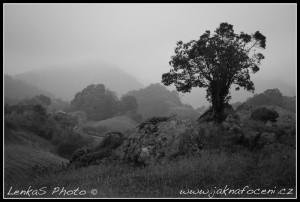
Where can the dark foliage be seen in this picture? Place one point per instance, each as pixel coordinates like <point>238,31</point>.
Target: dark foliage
<point>215,62</point>
<point>96,101</point>
<point>264,114</point>
<point>155,100</point>
<point>83,157</point>
<point>153,120</point>
<point>100,103</point>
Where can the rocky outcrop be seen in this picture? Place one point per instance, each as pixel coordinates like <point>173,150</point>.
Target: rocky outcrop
<point>160,139</point>
<point>267,138</point>
<point>155,141</point>
<point>210,115</point>
<point>102,153</point>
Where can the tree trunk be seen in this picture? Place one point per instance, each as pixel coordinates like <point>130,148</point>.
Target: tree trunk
<point>218,107</point>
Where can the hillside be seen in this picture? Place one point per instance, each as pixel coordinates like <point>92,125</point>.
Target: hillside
<point>25,151</point>
<point>15,89</point>
<point>197,96</point>
<point>99,128</point>
<point>65,81</point>
<point>273,97</point>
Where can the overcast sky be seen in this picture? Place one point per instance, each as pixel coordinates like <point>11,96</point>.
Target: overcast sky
<point>139,38</point>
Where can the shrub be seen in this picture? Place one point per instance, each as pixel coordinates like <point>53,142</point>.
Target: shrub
<point>112,140</point>
<point>264,114</point>
<point>103,151</point>
<point>32,118</point>
<point>153,120</point>
<point>95,131</point>
<point>67,142</point>
<point>256,125</point>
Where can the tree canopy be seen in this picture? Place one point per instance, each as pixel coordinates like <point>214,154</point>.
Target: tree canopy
<point>98,102</point>
<point>215,62</point>
<point>155,100</point>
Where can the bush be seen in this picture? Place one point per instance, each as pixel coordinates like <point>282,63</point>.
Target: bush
<point>32,118</point>
<point>264,114</point>
<point>153,120</point>
<point>83,157</point>
<point>256,125</point>
<point>67,142</point>
<point>112,140</point>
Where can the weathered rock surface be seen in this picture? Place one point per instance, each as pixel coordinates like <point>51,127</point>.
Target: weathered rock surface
<point>161,139</point>
<point>156,140</point>
<point>267,138</point>
<point>209,115</point>
<point>103,152</point>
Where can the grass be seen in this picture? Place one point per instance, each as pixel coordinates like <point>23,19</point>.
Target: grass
<point>213,169</point>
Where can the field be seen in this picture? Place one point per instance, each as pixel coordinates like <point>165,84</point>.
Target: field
<point>210,172</point>
<point>24,152</point>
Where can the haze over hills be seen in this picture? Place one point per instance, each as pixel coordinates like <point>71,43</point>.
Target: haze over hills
<point>65,81</point>
<point>197,97</point>
<point>15,89</point>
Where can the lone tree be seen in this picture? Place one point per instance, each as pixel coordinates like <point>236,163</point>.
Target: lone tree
<point>215,62</point>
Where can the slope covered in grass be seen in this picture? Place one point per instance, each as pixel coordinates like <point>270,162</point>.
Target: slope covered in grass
<point>211,171</point>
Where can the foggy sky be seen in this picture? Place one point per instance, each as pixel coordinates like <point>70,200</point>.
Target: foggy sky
<point>139,38</point>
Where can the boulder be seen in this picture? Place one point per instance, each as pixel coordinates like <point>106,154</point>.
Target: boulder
<point>250,139</point>
<point>102,153</point>
<point>209,115</point>
<point>267,138</point>
<point>155,141</point>
<point>232,124</point>
<point>161,139</point>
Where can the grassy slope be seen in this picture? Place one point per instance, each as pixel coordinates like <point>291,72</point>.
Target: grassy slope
<point>211,171</point>
<point>24,151</point>
<point>121,123</point>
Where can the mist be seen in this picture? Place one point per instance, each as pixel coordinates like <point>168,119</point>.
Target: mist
<point>104,100</point>
<point>140,38</point>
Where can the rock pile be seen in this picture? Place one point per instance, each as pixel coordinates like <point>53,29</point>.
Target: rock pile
<point>155,141</point>
<point>160,139</point>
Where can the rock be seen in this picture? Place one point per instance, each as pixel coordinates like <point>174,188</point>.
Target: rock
<point>232,124</point>
<point>267,138</point>
<point>159,140</point>
<point>250,139</point>
<point>209,115</point>
<point>235,130</point>
<point>77,153</point>
<point>269,124</point>
<point>104,152</point>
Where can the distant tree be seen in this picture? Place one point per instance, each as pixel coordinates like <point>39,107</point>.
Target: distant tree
<point>155,100</point>
<point>129,103</point>
<point>98,102</point>
<point>264,114</point>
<point>129,107</point>
<point>37,100</point>
<point>44,99</point>
<point>215,62</point>
<point>65,120</point>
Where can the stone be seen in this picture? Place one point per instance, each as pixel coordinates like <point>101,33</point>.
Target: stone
<point>267,138</point>
<point>250,139</point>
<point>160,140</point>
